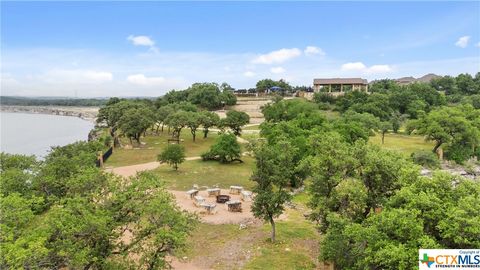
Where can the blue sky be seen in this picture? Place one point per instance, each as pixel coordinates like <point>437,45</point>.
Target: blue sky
<point>148,48</point>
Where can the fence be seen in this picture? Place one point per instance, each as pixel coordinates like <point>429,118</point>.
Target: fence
<point>101,159</point>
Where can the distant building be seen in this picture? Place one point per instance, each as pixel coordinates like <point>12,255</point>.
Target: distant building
<point>339,86</point>
<point>424,79</point>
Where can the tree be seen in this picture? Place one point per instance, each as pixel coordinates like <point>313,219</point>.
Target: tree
<point>110,115</point>
<point>86,219</point>
<point>193,122</point>
<point>264,85</point>
<point>397,119</point>
<point>206,95</point>
<point>332,165</point>
<point>162,115</point>
<point>177,121</point>
<point>285,110</point>
<point>226,149</point>
<point>227,97</point>
<point>160,226</point>
<point>446,84</point>
<point>274,167</point>
<point>16,173</point>
<point>173,154</point>
<point>446,125</point>
<point>208,120</point>
<point>235,120</point>
<point>384,127</point>
<point>135,122</point>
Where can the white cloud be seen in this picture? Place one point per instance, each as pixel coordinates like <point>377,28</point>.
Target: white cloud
<point>98,76</point>
<point>353,66</point>
<point>140,79</point>
<point>249,74</point>
<point>278,56</point>
<point>7,78</point>
<point>277,70</point>
<point>462,42</point>
<point>312,50</point>
<point>141,40</point>
<point>379,69</point>
<point>359,66</point>
<point>478,44</point>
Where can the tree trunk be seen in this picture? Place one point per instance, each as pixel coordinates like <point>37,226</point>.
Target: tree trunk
<point>156,131</point>
<point>193,135</point>
<point>437,145</point>
<point>383,138</point>
<point>205,132</point>
<point>272,222</point>
<point>175,166</point>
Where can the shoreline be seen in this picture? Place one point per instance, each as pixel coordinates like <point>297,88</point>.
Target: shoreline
<point>85,113</point>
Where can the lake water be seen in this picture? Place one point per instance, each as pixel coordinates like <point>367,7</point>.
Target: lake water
<point>35,134</point>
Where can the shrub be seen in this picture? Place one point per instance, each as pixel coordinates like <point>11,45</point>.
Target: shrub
<point>226,149</point>
<point>324,98</point>
<point>426,158</point>
<point>458,152</point>
<point>174,154</point>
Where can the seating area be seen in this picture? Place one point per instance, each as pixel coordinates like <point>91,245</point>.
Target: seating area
<point>233,201</point>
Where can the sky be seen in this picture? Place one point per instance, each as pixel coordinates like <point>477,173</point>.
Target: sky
<point>102,49</point>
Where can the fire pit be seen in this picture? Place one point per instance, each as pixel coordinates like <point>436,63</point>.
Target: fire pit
<point>223,198</point>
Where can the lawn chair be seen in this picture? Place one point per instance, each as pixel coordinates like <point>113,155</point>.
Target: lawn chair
<point>198,200</point>
<point>213,192</point>
<point>235,189</point>
<point>234,206</point>
<point>192,193</point>
<point>246,196</point>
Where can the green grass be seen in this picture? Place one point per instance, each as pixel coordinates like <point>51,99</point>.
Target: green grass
<point>250,136</point>
<point>329,114</point>
<point>207,173</point>
<point>301,198</point>
<point>403,143</point>
<point>208,237</point>
<point>296,246</point>
<point>155,144</point>
<point>253,127</point>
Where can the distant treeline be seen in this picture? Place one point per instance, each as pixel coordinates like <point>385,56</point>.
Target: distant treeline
<point>29,101</point>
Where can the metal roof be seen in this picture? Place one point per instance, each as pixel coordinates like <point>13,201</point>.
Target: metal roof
<point>340,81</point>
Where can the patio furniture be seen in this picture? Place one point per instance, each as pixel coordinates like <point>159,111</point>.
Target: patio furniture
<point>246,196</point>
<point>209,207</point>
<point>192,193</point>
<point>234,206</point>
<point>213,192</point>
<point>223,198</point>
<point>235,189</point>
<point>198,200</point>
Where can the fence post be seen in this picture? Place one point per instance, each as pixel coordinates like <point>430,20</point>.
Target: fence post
<point>100,158</point>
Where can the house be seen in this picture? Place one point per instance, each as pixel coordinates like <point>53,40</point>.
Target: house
<point>424,79</point>
<point>339,86</point>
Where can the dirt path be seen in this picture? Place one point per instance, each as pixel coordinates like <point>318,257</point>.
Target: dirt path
<point>127,171</point>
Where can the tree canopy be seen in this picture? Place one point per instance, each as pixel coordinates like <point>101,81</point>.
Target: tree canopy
<point>66,213</point>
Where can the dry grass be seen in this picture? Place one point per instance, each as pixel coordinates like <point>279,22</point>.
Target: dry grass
<point>154,144</point>
<point>406,144</point>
